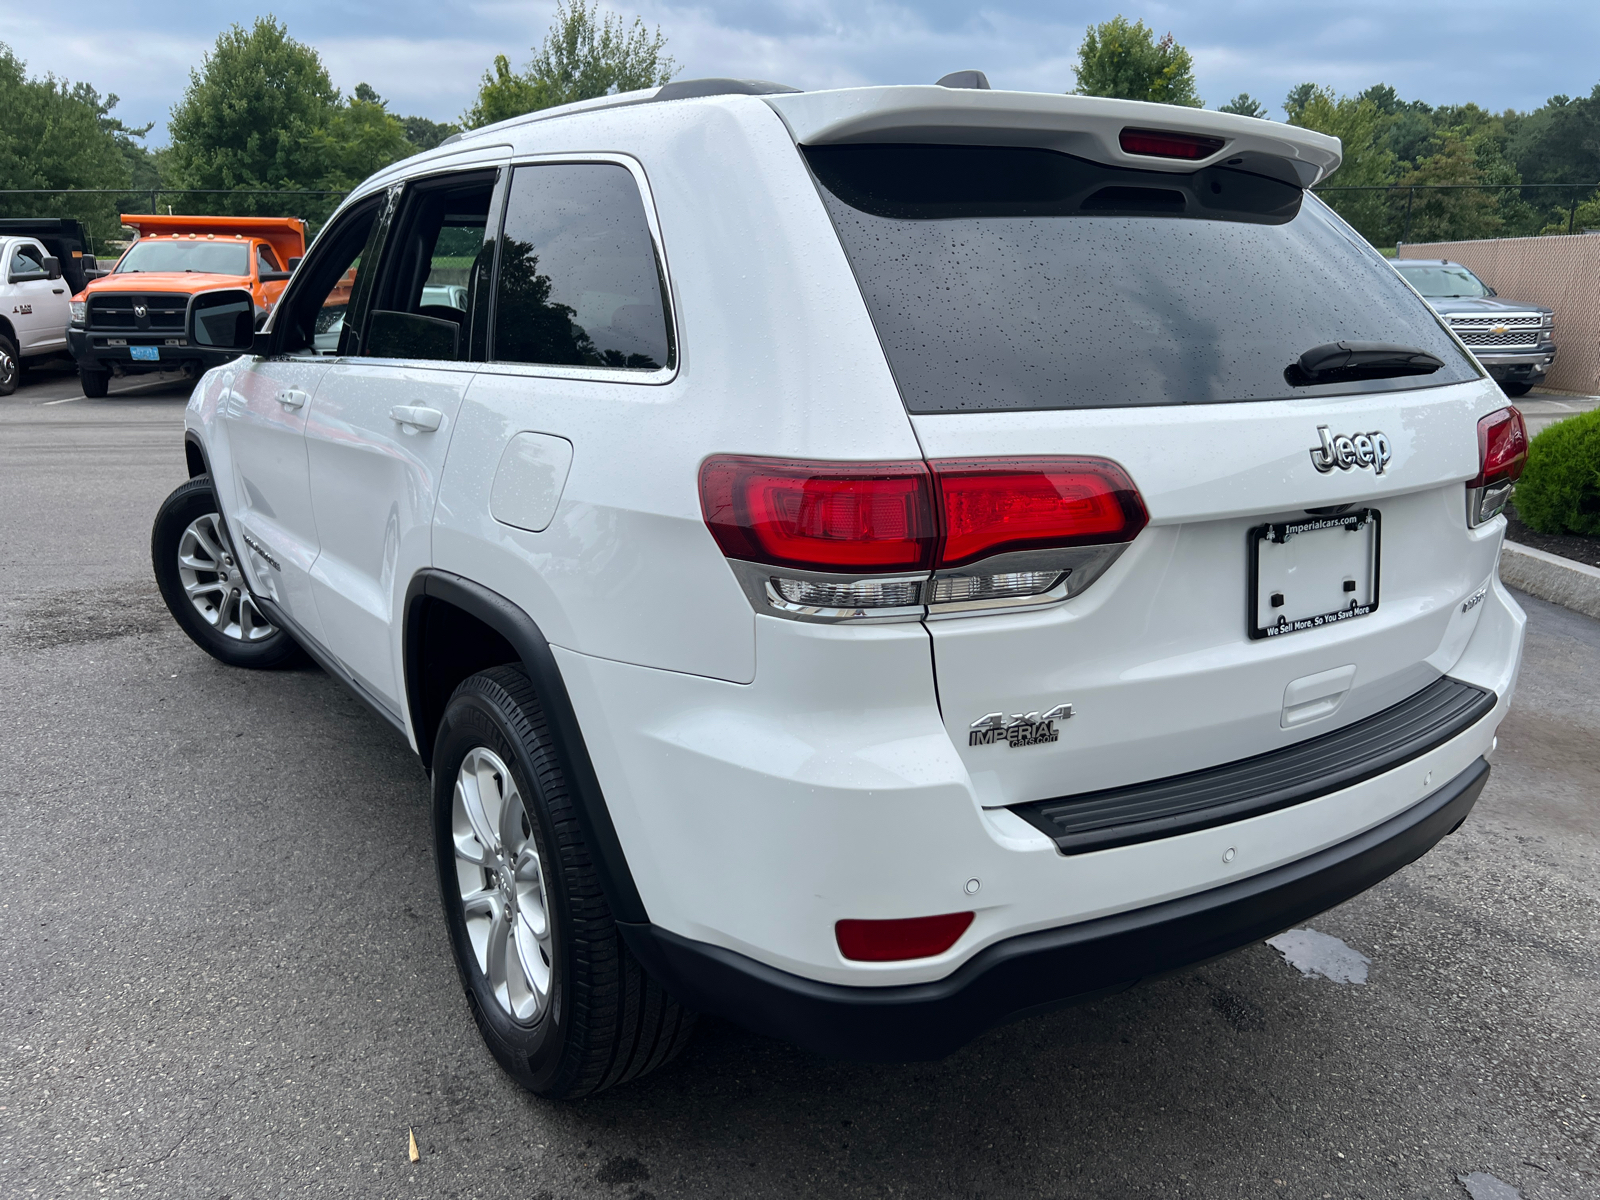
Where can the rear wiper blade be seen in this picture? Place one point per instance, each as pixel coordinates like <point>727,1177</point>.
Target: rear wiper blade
<point>1342,362</point>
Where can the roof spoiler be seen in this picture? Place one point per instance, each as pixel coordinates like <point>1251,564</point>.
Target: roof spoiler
<point>1086,126</point>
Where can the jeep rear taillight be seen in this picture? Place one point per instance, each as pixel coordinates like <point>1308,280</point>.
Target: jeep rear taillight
<point>819,539</point>
<point>851,517</point>
<point>993,506</point>
<point>1502,453</point>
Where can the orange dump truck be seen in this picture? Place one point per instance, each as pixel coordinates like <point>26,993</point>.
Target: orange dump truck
<point>131,321</point>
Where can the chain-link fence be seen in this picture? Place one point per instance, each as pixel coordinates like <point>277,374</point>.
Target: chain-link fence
<point>1397,214</point>
<point>100,209</point>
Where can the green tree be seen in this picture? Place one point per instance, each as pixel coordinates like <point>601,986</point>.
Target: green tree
<point>1295,102</point>
<point>261,112</point>
<point>255,114</point>
<point>425,134</point>
<point>1367,163</point>
<point>583,56</point>
<point>422,133</point>
<point>1123,60</point>
<point>1455,213</point>
<point>57,134</point>
<point>1560,141</point>
<point>1245,105</point>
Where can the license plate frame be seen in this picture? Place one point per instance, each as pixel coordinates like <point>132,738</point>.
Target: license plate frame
<point>145,353</point>
<point>1317,534</point>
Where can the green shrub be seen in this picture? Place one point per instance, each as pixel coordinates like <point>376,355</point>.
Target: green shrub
<point>1559,492</point>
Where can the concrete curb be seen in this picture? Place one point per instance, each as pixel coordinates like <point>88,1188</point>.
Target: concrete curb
<point>1550,577</point>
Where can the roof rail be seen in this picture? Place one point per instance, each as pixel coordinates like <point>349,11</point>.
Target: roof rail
<point>681,89</point>
<point>689,89</point>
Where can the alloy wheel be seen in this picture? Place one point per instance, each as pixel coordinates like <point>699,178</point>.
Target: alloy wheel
<point>215,584</point>
<point>502,885</point>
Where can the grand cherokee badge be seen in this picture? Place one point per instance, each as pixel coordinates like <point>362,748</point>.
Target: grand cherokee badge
<point>1023,729</point>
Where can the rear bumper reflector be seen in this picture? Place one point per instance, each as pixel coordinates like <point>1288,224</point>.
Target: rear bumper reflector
<point>1160,808</point>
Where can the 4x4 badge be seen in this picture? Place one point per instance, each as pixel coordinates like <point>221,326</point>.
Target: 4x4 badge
<point>1357,450</point>
<point>1022,729</point>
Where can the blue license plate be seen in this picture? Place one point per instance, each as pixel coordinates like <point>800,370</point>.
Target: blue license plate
<point>145,353</point>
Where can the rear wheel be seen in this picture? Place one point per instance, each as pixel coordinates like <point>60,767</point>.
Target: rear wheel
<point>10,367</point>
<point>1516,389</point>
<point>95,383</point>
<point>561,1002</point>
<point>205,589</point>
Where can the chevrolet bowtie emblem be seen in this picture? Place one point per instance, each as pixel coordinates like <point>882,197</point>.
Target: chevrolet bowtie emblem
<point>1500,329</point>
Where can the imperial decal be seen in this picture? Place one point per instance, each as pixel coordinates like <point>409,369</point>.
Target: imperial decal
<point>1021,729</point>
<point>1347,451</point>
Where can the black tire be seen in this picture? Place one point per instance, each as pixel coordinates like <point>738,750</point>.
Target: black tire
<point>10,366</point>
<point>605,1021</point>
<point>95,383</point>
<point>193,502</point>
<point>1516,389</point>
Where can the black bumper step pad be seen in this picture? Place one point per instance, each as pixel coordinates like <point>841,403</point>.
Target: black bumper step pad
<point>1143,812</point>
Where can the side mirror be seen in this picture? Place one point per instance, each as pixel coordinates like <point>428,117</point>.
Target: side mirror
<point>294,263</point>
<point>223,320</point>
<point>52,266</point>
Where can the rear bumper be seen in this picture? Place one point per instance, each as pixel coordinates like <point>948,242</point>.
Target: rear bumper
<point>1051,967</point>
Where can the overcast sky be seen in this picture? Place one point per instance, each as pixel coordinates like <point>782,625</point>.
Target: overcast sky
<point>426,57</point>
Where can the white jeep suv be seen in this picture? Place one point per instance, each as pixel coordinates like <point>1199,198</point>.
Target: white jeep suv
<point>865,564</point>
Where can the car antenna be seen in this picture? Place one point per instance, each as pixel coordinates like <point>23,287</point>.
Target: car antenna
<point>965,79</point>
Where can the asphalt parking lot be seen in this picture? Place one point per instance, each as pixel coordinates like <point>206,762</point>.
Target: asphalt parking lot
<point>225,976</point>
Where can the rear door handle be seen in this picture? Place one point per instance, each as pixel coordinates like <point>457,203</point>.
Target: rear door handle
<point>426,420</point>
<point>292,398</point>
<point>59,291</point>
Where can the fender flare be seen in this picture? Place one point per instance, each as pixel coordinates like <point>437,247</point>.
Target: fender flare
<point>572,752</point>
<point>193,448</point>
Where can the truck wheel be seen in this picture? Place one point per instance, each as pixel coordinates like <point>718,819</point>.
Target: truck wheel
<point>10,367</point>
<point>1516,389</point>
<point>561,1002</point>
<point>95,383</point>
<point>199,577</point>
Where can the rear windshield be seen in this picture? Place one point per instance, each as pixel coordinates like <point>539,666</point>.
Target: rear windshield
<point>1010,278</point>
<point>210,258</point>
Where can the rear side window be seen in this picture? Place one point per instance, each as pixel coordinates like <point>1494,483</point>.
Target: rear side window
<point>578,282</point>
<point>1017,278</point>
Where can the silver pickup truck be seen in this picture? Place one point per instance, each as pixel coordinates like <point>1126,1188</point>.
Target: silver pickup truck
<point>1514,341</point>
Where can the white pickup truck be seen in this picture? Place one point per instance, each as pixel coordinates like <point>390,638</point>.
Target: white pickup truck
<point>33,307</point>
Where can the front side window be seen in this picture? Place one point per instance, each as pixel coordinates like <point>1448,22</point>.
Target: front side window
<point>27,263</point>
<point>182,255</point>
<point>313,319</point>
<point>1009,278</point>
<point>423,299</point>
<point>265,259</point>
<point>1448,282</point>
<point>578,281</point>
